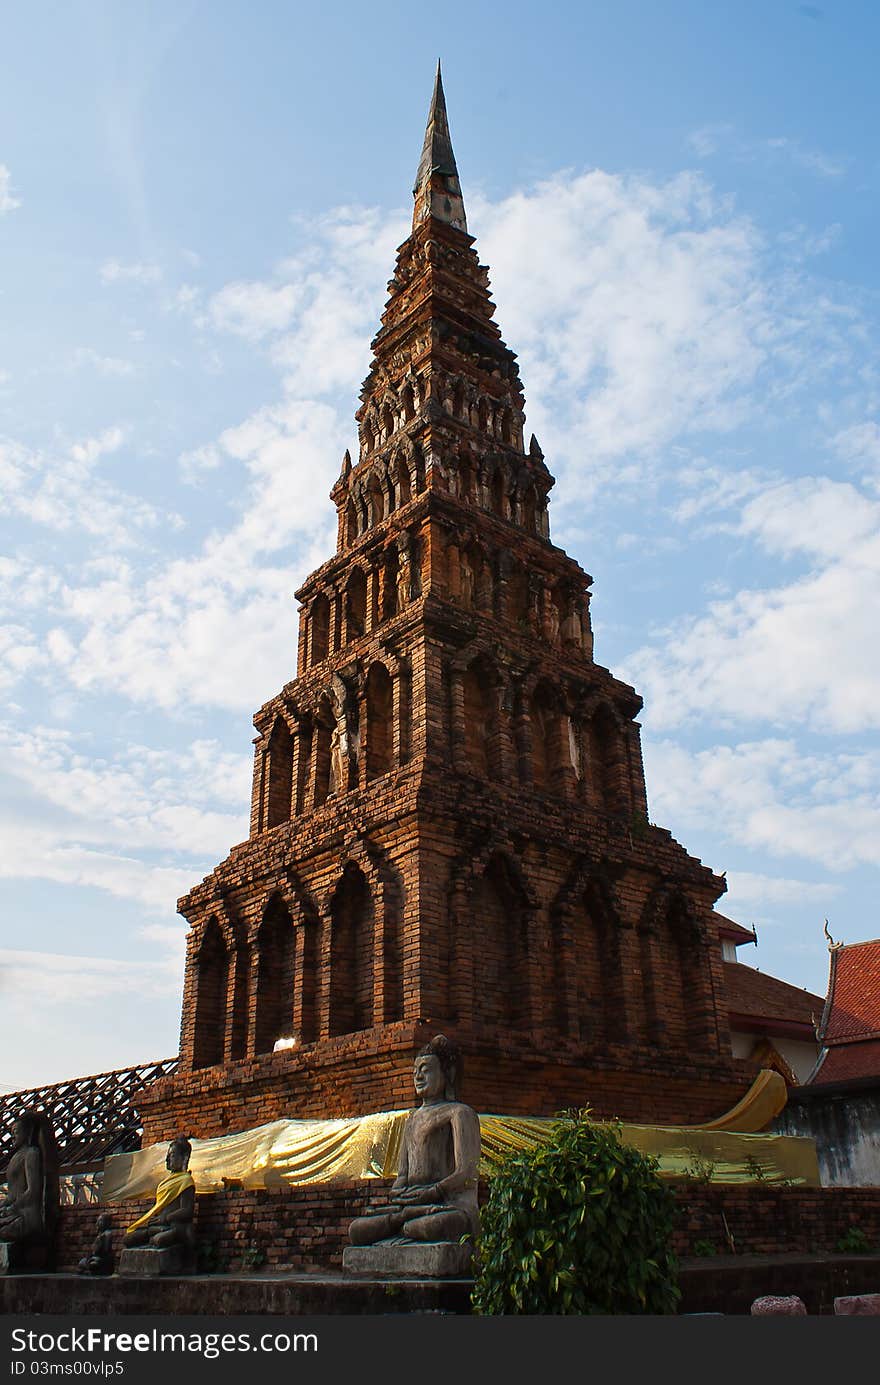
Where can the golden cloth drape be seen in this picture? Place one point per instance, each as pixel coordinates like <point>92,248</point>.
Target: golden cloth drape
<point>298,1152</point>
<point>170,1187</point>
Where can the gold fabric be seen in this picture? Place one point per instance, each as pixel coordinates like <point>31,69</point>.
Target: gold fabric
<point>761,1104</point>
<point>169,1189</point>
<point>270,1156</point>
<point>298,1152</point>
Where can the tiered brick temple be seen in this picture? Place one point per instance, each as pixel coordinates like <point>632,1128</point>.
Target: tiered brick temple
<point>449,824</point>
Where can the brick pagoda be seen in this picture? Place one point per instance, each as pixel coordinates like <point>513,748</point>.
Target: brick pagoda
<point>449,825</point>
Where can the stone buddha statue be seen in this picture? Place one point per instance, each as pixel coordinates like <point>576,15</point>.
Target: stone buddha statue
<point>100,1258</point>
<point>29,1212</point>
<point>169,1221</point>
<point>434,1196</point>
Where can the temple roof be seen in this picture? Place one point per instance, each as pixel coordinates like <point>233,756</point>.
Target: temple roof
<point>852,1010</point>
<point>847,1063</point>
<point>437,191</point>
<point>756,995</point>
<point>734,932</point>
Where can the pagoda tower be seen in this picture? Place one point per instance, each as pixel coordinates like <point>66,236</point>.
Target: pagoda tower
<point>449,826</point>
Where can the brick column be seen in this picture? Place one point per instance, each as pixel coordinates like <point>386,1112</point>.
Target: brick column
<point>400,714</point>
<point>302,641</point>
<point>322,1016</point>
<point>375,596</point>
<point>463,955</point>
<point>253,997</point>
<point>188,1013</point>
<point>364,744</point>
<point>459,753</point>
<point>336,633</point>
<point>258,787</point>
<point>233,981</point>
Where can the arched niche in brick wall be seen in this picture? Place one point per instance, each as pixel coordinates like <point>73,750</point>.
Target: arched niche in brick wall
<point>379,693</point>
<point>352,923</point>
<point>546,720</point>
<point>675,971</point>
<point>211,982</point>
<point>606,771</point>
<point>465,478</point>
<point>306,736</point>
<point>391,567</point>
<point>355,604</point>
<point>375,500</point>
<point>589,984</point>
<point>351,522</point>
<point>319,629</point>
<point>279,788</point>
<point>478,699</point>
<point>498,915</point>
<point>323,725</point>
<point>529,510</point>
<point>275,976</point>
<point>404,480</point>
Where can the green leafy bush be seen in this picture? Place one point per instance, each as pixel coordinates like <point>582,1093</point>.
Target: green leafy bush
<point>581,1224</point>
<point>853,1242</point>
<point>705,1248</point>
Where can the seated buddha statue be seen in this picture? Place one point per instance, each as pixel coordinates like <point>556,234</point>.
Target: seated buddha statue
<point>434,1196</point>
<point>169,1222</point>
<point>29,1212</point>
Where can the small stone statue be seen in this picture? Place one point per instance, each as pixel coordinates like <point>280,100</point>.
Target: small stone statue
<point>403,582</point>
<point>571,631</point>
<point>551,621</point>
<point>434,1197</point>
<point>169,1221</point>
<point>339,757</point>
<point>466,581</point>
<point>100,1258</point>
<point>29,1212</point>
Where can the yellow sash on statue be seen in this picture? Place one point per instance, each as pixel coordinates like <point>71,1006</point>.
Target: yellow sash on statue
<point>170,1187</point>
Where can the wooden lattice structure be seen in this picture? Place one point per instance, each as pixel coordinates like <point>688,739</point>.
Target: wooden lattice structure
<point>92,1116</point>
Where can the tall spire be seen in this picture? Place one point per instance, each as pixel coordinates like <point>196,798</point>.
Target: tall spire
<point>437,191</point>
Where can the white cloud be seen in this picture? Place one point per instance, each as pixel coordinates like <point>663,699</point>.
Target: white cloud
<point>647,318</point>
<point>253,310</point>
<point>39,978</point>
<point>804,651</point>
<point>141,825</point>
<point>8,202</point>
<point>772,796</point>
<point>751,889</point>
<point>63,490</point>
<point>104,365</point>
<point>41,853</point>
<point>859,445</point>
<point>114,272</point>
<point>194,464</point>
<point>724,138</point>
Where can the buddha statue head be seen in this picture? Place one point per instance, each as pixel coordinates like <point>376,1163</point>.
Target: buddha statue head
<point>435,1069</point>
<point>178,1156</point>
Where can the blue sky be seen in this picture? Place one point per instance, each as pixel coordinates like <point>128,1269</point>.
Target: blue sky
<point>199,209</point>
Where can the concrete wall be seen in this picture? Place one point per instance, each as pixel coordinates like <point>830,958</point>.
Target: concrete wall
<point>846,1128</point>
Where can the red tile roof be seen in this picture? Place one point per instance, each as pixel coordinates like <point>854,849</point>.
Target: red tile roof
<point>846,1062</point>
<point>733,931</point>
<point>852,1010</point>
<point>756,995</point>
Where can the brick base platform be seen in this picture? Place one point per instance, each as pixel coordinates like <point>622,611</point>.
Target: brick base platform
<point>306,1229</point>
<point>230,1295</point>
<point>728,1285</point>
